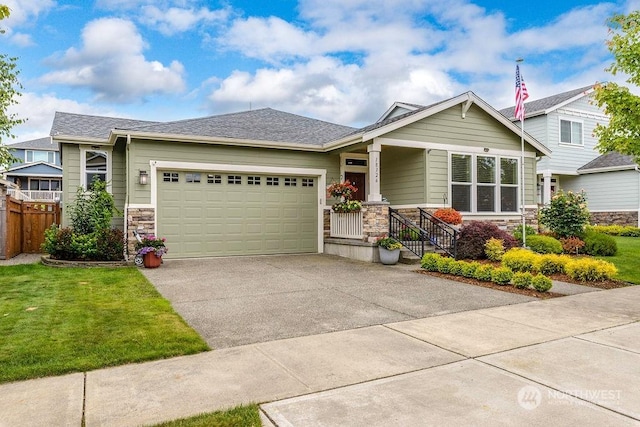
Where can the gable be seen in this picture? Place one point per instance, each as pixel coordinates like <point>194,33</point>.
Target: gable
<point>35,169</point>
<point>476,129</point>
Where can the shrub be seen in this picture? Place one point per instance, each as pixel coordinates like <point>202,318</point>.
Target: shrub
<point>517,233</point>
<point>572,245</point>
<point>85,246</point>
<point>567,214</point>
<point>630,231</point>
<point>501,275</point>
<point>541,283</point>
<point>92,211</point>
<point>598,244</point>
<point>443,264</point>
<point>494,249</point>
<point>409,233</point>
<point>616,230</point>
<point>474,235</point>
<point>110,244</point>
<point>469,268</point>
<point>483,272</point>
<point>448,215</point>
<point>522,279</point>
<point>590,270</point>
<point>58,242</point>
<point>544,244</point>
<point>519,259</point>
<point>456,267</point>
<point>430,262</point>
<point>552,263</point>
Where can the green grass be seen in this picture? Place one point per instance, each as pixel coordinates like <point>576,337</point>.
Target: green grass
<point>59,320</point>
<point>240,416</point>
<point>627,260</point>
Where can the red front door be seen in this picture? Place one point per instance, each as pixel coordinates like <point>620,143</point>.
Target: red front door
<point>359,181</point>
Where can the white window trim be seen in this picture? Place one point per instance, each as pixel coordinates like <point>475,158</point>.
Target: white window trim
<point>26,156</point>
<point>474,183</point>
<point>83,165</point>
<point>572,120</point>
<point>319,174</point>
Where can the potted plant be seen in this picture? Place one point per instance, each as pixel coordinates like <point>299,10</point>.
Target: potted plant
<point>389,249</point>
<point>344,191</point>
<point>151,248</point>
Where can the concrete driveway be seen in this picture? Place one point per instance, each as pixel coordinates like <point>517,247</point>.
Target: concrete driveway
<point>245,300</point>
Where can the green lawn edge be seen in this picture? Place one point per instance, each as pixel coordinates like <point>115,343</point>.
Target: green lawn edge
<point>240,416</point>
<point>55,321</point>
<point>627,259</point>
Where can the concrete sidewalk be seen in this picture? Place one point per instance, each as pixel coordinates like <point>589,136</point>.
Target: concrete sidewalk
<point>569,361</point>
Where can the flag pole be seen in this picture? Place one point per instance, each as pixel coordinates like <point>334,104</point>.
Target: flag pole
<point>522,181</point>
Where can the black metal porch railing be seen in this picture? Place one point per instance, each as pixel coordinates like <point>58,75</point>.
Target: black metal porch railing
<point>407,232</point>
<point>440,234</point>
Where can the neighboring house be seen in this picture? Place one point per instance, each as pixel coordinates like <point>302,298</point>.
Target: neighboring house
<point>38,175</point>
<point>564,123</point>
<point>255,182</point>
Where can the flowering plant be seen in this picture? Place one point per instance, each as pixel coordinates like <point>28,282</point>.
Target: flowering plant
<point>343,190</point>
<point>389,243</point>
<point>150,244</point>
<point>448,215</point>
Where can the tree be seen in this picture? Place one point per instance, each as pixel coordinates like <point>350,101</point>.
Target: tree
<point>622,134</point>
<point>9,91</point>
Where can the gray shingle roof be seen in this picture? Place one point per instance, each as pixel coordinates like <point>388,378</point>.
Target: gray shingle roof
<point>609,160</point>
<point>37,144</point>
<point>83,125</point>
<point>540,105</point>
<point>265,124</point>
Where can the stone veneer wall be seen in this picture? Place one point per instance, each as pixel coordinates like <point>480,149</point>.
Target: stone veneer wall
<point>614,218</point>
<point>375,220</point>
<point>506,224</point>
<point>143,221</point>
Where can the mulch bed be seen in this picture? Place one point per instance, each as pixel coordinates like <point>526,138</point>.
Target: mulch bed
<point>608,284</point>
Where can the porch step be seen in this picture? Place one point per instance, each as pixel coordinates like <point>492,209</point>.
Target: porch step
<point>408,257</point>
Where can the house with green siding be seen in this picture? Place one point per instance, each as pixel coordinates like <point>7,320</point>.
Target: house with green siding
<point>254,182</point>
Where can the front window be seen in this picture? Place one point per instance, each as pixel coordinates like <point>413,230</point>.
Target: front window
<point>571,132</point>
<point>94,164</point>
<point>40,156</point>
<point>484,183</point>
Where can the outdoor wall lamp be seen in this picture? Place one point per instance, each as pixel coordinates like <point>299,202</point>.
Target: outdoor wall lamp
<point>144,176</point>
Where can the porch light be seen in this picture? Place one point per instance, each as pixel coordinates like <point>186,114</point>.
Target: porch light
<point>144,176</point>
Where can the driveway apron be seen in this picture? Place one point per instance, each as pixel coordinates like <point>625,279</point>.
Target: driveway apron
<point>243,300</point>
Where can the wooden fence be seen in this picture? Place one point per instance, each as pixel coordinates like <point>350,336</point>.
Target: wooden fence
<point>22,225</point>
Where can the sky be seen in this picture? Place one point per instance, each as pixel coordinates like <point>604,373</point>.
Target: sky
<point>343,61</point>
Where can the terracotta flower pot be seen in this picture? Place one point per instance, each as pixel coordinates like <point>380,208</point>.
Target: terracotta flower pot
<point>151,260</point>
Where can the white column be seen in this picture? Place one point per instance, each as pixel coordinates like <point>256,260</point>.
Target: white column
<point>374,173</point>
<point>546,187</point>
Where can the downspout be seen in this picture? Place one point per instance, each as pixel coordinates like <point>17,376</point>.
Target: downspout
<point>638,170</point>
<point>126,198</point>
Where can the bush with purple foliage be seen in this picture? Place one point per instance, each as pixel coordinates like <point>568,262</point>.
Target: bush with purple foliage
<point>474,235</point>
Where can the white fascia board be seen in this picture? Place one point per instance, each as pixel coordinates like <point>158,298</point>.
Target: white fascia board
<point>608,169</point>
<point>569,101</point>
<point>35,175</point>
<point>393,107</point>
<point>68,139</point>
<point>28,165</point>
<point>217,141</point>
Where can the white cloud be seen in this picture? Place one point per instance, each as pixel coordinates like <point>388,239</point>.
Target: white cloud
<point>177,20</point>
<point>24,12</point>
<point>39,110</point>
<point>21,39</point>
<point>110,62</point>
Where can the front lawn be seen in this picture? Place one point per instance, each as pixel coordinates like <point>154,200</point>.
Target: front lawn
<point>59,320</point>
<point>240,416</point>
<point>627,259</point>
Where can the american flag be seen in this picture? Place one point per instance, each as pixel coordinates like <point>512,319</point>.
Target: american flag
<point>521,95</point>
